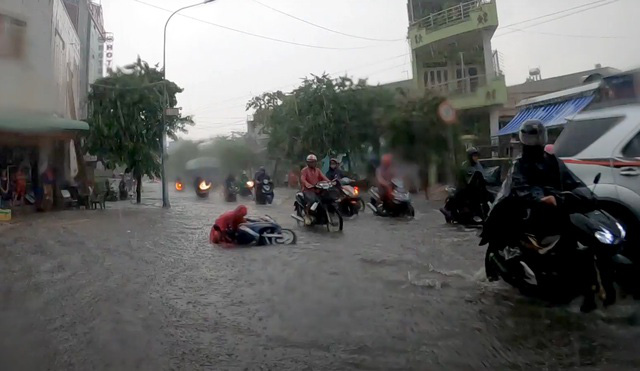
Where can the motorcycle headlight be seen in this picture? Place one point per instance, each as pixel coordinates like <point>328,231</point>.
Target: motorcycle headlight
<point>605,236</point>
<point>250,184</point>
<point>623,232</point>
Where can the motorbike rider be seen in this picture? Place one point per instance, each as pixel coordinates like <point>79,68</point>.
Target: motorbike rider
<point>384,176</point>
<point>244,178</point>
<point>539,177</point>
<point>227,224</point>
<point>260,175</point>
<point>309,177</point>
<point>464,192</point>
<point>334,171</point>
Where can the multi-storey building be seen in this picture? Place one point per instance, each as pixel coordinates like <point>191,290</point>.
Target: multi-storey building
<point>452,56</point>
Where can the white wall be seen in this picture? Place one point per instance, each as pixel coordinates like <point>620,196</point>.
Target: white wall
<point>25,84</point>
<point>66,62</point>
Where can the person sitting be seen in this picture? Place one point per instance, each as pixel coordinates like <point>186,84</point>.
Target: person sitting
<point>309,177</point>
<point>224,228</point>
<point>334,171</point>
<point>260,175</point>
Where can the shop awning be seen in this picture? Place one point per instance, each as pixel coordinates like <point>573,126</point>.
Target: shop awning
<point>36,124</point>
<point>553,114</point>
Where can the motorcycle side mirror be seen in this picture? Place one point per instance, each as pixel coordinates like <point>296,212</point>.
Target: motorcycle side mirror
<point>596,180</point>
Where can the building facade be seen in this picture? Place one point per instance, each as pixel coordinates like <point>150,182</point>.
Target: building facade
<point>452,56</point>
<point>40,59</point>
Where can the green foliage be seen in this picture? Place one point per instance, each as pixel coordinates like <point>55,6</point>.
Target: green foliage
<point>322,115</point>
<point>179,154</point>
<point>416,132</point>
<point>126,118</point>
<point>233,152</point>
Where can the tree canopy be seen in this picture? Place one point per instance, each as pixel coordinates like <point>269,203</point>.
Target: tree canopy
<point>325,115</point>
<point>125,118</point>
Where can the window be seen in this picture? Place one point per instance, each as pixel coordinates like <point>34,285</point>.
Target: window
<point>632,149</point>
<point>12,37</point>
<point>578,135</point>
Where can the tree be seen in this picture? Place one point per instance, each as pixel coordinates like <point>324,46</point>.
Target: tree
<point>232,151</point>
<point>416,132</point>
<point>322,115</point>
<point>125,118</point>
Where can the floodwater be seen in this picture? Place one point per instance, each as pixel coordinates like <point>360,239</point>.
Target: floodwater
<point>140,288</point>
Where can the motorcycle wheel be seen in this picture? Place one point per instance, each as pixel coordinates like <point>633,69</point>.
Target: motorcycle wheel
<point>411,212</point>
<point>334,225</point>
<point>288,237</point>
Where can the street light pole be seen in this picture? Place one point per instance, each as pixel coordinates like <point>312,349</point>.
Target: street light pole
<point>165,105</point>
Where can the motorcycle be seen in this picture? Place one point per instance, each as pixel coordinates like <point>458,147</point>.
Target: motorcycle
<point>471,205</point>
<point>246,189</point>
<point>264,192</point>
<point>539,264</point>
<point>350,203</point>
<point>325,212</point>
<point>230,192</point>
<point>202,187</point>
<point>400,205</point>
<point>179,185</point>
<point>262,231</point>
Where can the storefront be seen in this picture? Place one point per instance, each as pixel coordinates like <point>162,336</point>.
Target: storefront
<point>32,144</point>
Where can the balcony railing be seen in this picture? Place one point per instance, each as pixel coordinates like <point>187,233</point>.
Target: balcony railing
<point>450,16</point>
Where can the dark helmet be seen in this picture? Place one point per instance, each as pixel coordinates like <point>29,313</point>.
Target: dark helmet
<point>533,133</point>
<point>472,151</point>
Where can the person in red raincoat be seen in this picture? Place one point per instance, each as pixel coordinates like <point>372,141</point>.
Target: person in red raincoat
<point>229,221</point>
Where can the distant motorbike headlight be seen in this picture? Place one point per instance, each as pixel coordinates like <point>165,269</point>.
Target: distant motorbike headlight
<point>605,236</point>
<point>623,232</point>
<point>250,184</point>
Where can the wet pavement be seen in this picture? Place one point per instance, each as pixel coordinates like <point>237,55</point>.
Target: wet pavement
<point>138,287</point>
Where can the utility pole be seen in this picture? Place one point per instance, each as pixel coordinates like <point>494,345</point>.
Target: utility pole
<point>165,106</point>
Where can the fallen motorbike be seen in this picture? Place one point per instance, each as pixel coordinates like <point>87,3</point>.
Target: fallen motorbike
<point>350,203</point>
<point>399,206</point>
<point>325,212</point>
<point>202,187</point>
<point>543,261</point>
<point>470,205</point>
<point>262,231</point>
<point>264,192</point>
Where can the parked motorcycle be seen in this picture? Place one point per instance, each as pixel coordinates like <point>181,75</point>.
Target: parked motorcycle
<point>264,192</point>
<point>350,203</point>
<point>400,205</point>
<point>325,212</point>
<point>543,261</point>
<point>262,231</point>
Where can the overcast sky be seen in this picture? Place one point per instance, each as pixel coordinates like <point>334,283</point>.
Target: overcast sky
<point>221,69</point>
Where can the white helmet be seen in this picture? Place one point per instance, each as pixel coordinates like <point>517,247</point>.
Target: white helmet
<point>312,158</point>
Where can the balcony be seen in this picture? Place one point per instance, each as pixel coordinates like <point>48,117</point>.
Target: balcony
<point>466,17</point>
<point>474,91</point>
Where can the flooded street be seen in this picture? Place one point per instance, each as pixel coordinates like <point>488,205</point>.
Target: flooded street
<point>138,287</point>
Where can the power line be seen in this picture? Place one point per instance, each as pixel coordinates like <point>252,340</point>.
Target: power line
<point>322,27</point>
<point>253,34</point>
<point>554,13</point>
<point>557,18</point>
<point>571,35</point>
<point>248,96</point>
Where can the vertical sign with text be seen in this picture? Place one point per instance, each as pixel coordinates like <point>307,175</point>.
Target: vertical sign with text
<point>108,51</point>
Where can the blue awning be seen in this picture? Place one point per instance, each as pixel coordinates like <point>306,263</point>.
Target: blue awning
<point>554,114</point>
